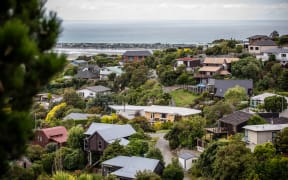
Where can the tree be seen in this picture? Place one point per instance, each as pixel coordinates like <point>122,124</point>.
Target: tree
<point>113,150</point>
<point>184,133</point>
<point>256,119</point>
<point>52,114</point>
<point>234,161</point>
<point>147,175</point>
<point>283,81</point>
<point>34,152</point>
<point>247,68</point>
<point>216,111</point>
<point>275,103</point>
<point>59,175</point>
<point>235,94</point>
<point>76,137</point>
<point>173,171</point>
<point>137,147</point>
<point>27,34</point>
<point>71,98</point>
<point>155,153</point>
<point>274,35</point>
<point>281,141</point>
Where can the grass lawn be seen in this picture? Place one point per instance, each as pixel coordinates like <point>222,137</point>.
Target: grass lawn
<point>183,98</point>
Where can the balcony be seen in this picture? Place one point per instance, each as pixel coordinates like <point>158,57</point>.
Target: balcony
<point>217,130</point>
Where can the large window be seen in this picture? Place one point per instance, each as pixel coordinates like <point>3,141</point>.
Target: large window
<point>283,55</point>
<point>163,116</point>
<point>256,48</point>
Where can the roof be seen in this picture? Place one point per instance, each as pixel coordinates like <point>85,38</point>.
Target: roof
<point>78,116</point>
<point>130,165</point>
<point>110,132</point>
<point>261,97</point>
<point>223,85</point>
<point>266,127</point>
<point>224,72</point>
<point>187,156</point>
<point>86,73</point>
<point>209,69</point>
<point>258,36</point>
<point>219,60</point>
<point>276,50</point>
<point>127,107</point>
<point>172,110</point>
<point>98,88</point>
<point>187,59</point>
<point>113,69</point>
<point>236,118</point>
<point>58,133</point>
<point>277,120</point>
<point>267,42</point>
<point>137,53</point>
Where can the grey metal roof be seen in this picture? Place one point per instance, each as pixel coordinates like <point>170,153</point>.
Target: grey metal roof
<point>236,118</point>
<point>78,116</point>
<point>98,88</point>
<point>187,156</point>
<point>110,132</point>
<point>276,50</point>
<point>266,127</point>
<point>137,53</point>
<point>223,85</point>
<point>258,36</point>
<point>130,165</point>
<point>267,42</point>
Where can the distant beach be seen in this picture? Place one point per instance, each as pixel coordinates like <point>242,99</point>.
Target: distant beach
<point>174,32</point>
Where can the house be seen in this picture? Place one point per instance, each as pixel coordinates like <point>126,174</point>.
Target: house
<point>79,63</point>
<point>128,111</point>
<point>78,116</point>
<point>106,71</point>
<point>92,91</point>
<point>259,134</point>
<point>134,56</point>
<point>45,136</point>
<point>90,71</point>
<point>126,168</point>
<point>100,135</point>
<point>45,99</point>
<point>186,160</point>
<point>230,124</point>
<point>281,55</point>
<point>259,99</point>
<point>214,66</point>
<point>255,38</point>
<point>260,46</point>
<point>190,63</point>
<point>219,87</point>
<point>157,113</point>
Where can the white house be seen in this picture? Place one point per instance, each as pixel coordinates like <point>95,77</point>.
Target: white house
<point>260,46</point>
<point>281,55</point>
<point>259,99</point>
<point>259,134</point>
<point>186,160</point>
<point>92,91</point>
<point>106,71</point>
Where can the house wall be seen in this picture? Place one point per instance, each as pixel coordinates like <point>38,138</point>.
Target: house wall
<point>40,139</point>
<point>94,141</point>
<point>252,137</point>
<point>263,137</point>
<point>182,162</point>
<point>259,49</point>
<point>281,57</point>
<point>86,93</point>
<point>169,117</point>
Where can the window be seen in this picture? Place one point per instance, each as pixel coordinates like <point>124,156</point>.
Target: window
<point>283,55</point>
<point>256,48</point>
<point>274,134</point>
<point>99,144</point>
<point>40,138</point>
<point>251,48</point>
<point>164,116</point>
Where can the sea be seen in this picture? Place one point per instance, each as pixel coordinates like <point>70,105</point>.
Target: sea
<point>171,32</point>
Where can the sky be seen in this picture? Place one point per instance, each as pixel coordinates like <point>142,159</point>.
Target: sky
<point>170,9</point>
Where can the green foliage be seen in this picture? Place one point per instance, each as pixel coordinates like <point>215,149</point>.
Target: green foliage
<point>264,152</point>
<point>276,168</point>
<point>183,98</point>
<point>137,147</point>
<point>235,94</point>
<point>283,81</point>
<point>47,161</point>
<point>113,150</point>
<point>59,175</point>
<point>185,132</point>
<point>76,137</point>
<point>283,40</point>
<point>71,98</point>
<point>256,119</point>
<point>18,173</point>
<point>173,171</point>
<point>51,147</point>
<point>34,152</point>
<point>155,153</point>
<point>52,113</point>
<point>275,104</point>
<point>90,177</point>
<point>216,111</point>
<point>147,175</point>
<point>69,159</point>
<point>233,161</point>
<point>142,123</point>
<point>26,66</point>
<point>281,141</point>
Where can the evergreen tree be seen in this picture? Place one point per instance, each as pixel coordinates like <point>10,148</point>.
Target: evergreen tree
<point>26,65</point>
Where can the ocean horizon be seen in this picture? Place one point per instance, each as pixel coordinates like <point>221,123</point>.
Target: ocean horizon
<point>167,32</point>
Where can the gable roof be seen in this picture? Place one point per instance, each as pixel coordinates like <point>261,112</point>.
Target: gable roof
<point>58,133</point>
<point>266,127</point>
<point>187,59</point>
<point>172,110</point>
<point>258,36</point>
<point>78,116</point>
<point>98,88</point>
<point>110,132</point>
<point>137,53</point>
<point>130,165</point>
<point>187,156</point>
<point>276,50</point>
<point>261,97</point>
<point>223,85</point>
<point>209,69</point>
<point>267,42</point>
<point>236,118</point>
<point>219,60</point>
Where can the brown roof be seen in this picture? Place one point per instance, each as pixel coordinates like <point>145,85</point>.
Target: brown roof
<point>236,118</point>
<point>219,60</point>
<point>224,72</point>
<point>187,59</point>
<point>209,68</point>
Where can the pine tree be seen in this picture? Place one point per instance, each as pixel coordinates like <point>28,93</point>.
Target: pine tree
<point>27,33</point>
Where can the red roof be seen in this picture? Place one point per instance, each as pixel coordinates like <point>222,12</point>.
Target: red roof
<point>186,59</point>
<point>58,133</point>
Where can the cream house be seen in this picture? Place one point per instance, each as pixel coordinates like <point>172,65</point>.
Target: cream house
<point>260,46</point>
<point>259,134</point>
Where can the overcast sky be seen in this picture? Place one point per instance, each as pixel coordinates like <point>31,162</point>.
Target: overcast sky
<point>170,9</point>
